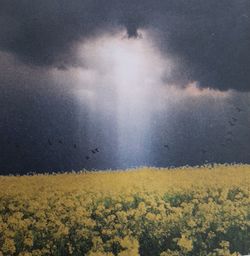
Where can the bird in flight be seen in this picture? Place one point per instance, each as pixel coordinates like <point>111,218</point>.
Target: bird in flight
<point>60,141</point>
<point>166,146</point>
<point>96,150</point>
<point>74,145</point>
<point>87,157</point>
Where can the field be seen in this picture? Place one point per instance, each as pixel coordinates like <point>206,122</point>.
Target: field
<point>186,211</point>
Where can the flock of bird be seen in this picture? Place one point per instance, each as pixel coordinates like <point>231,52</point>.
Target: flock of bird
<point>232,122</point>
<point>87,157</point>
<point>228,139</point>
<point>229,135</point>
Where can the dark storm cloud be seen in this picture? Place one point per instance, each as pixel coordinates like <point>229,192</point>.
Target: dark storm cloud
<point>210,38</point>
<point>213,40</point>
<point>36,109</point>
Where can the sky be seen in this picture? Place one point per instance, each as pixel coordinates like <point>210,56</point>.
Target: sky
<point>118,84</point>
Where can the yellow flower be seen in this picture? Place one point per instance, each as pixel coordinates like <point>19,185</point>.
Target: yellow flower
<point>25,254</point>
<point>108,213</point>
<point>130,245</point>
<point>151,216</point>
<point>28,241</point>
<point>185,244</point>
<point>8,246</point>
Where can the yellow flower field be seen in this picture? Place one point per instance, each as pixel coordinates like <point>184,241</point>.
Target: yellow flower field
<point>148,211</point>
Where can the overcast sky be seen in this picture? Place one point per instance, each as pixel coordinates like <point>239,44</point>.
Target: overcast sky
<point>117,84</point>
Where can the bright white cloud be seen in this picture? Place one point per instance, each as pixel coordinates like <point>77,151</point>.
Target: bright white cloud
<point>122,80</point>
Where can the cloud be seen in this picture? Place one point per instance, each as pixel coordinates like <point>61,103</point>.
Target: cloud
<point>193,90</point>
<point>117,101</point>
<point>209,38</point>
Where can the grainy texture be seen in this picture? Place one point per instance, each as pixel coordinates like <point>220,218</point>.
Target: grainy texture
<point>147,211</point>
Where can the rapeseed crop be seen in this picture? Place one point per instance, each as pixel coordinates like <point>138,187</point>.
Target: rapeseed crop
<point>147,211</point>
